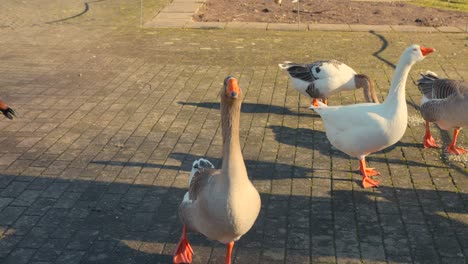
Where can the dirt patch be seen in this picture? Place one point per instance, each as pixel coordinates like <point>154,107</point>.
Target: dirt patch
<point>328,12</point>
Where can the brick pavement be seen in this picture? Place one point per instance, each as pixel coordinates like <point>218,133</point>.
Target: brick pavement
<point>111,118</point>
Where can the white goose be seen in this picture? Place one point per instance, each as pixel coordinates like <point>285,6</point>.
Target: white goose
<point>361,129</point>
<point>221,204</point>
<point>321,79</point>
<point>444,102</point>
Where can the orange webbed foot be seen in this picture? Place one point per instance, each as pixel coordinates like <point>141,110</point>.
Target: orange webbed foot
<point>368,182</point>
<point>184,251</point>
<point>456,150</point>
<point>371,172</point>
<point>315,102</point>
<point>429,142</point>
<point>366,172</point>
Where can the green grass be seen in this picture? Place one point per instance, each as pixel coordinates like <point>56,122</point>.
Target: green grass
<point>456,5</point>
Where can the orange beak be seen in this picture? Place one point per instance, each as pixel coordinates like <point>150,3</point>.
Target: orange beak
<point>233,89</point>
<point>425,51</point>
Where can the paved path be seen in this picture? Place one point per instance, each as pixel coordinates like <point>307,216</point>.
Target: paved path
<point>112,116</point>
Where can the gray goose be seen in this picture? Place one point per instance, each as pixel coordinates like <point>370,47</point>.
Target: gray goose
<point>444,102</point>
<point>220,204</point>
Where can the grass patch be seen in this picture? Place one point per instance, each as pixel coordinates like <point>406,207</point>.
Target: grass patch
<point>456,5</point>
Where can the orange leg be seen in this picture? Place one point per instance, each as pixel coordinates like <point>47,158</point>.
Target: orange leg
<point>229,248</point>
<point>315,102</point>
<point>429,141</point>
<point>325,101</point>
<point>452,148</point>
<point>366,174</point>
<point>184,251</point>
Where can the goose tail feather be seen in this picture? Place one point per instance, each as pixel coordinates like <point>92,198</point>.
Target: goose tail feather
<point>285,65</point>
<point>426,82</point>
<point>199,165</point>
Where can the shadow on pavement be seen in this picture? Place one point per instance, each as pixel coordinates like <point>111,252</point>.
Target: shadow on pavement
<point>384,47</point>
<point>86,9</point>
<point>112,222</point>
<point>259,170</point>
<point>317,140</point>
<point>253,108</point>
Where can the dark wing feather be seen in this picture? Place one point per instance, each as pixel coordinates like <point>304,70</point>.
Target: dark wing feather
<point>435,88</point>
<point>426,83</point>
<point>304,71</point>
<point>444,88</point>
<point>301,71</point>
<point>312,91</point>
<point>199,181</point>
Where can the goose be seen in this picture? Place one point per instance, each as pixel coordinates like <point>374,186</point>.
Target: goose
<point>444,102</point>
<point>6,110</point>
<point>323,78</point>
<point>220,204</point>
<point>361,129</point>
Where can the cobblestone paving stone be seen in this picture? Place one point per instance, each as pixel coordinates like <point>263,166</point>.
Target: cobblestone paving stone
<point>111,118</point>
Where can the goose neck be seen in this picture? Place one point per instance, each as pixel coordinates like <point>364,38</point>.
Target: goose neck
<point>397,89</point>
<point>233,161</point>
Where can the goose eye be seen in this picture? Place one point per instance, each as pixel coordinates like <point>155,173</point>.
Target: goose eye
<point>317,70</point>
<point>227,79</point>
<point>415,49</point>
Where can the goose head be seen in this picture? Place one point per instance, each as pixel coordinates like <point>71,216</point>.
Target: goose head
<point>415,53</point>
<point>231,91</point>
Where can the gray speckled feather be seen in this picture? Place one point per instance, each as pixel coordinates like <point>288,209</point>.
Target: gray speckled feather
<point>312,91</point>
<point>432,87</point>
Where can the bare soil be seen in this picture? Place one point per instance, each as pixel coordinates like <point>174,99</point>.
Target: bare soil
<point>328,12</point>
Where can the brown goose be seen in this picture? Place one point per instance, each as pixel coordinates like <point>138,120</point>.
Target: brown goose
<point>444,102</point>
<point>6,110</point>
<point>221,204</point>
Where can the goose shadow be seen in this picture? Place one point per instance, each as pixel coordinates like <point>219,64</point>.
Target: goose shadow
<point>402,144</point>
<point>85,10</point>
<point>258,170</point>
<point>118,222</point>
<point>382,48</point>
<point>251,108</point>
<point>317,140</point>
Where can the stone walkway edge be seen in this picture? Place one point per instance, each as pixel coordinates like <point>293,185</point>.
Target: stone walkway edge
<point>179,13</point>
